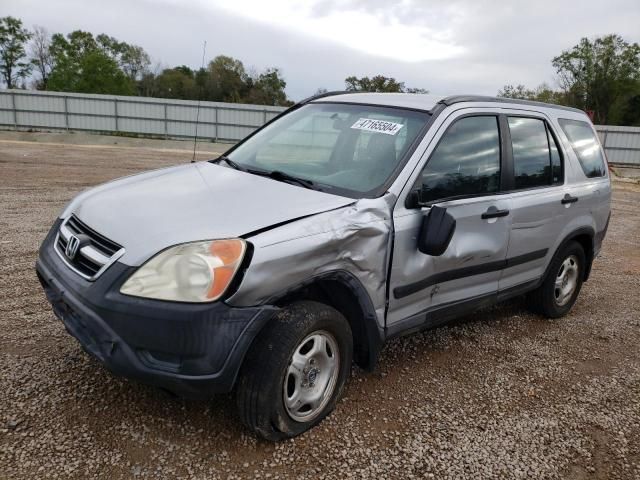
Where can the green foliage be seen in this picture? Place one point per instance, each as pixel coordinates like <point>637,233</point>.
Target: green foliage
<point>223,80</point>
<point>267,88</point>
<point>88,65</point>
<point>176,83</point>
<point>378,83</point>
<point>226,80</point>
<point>13,38</point>
<point>542,93</point>
<point>132,59</point>
<point>601,76</point>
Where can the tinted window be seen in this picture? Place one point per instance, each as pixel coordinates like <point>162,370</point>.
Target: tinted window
<point>536,157</point>
<point>586,146</point>
<point>465,162</point>
<point>531,155</point>
<point>557,175</point>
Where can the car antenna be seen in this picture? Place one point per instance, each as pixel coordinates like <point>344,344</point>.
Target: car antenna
<point>195,138</point>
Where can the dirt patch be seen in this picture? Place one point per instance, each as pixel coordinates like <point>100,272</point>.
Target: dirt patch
<point>500,394</point>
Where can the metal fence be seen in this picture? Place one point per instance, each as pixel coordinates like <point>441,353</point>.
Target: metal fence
<point>622,144</point>
<point>224,122</point>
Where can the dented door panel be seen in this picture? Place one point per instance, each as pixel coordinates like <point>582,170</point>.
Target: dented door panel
<point>470,266</point>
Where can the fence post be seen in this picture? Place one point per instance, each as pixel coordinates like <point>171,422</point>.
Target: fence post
<point>215,120</point>
<point>115,100</point>
<point>166,123</point>
<point>66,112</point>
<point>15,113</point>
<point>264,116</point>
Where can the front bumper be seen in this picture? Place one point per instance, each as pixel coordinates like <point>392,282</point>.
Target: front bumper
<point>194,350</point>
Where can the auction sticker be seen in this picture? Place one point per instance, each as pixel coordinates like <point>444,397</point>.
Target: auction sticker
<point>380,126</point>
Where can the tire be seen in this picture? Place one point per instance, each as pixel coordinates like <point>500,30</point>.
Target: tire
<point>273,387</point>
<point>560,288</point>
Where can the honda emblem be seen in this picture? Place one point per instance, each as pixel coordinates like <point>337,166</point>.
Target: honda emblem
<point>72,247</point>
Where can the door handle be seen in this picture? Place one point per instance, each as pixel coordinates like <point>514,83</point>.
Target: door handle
<point>493,212</point>
<point>568,199</point>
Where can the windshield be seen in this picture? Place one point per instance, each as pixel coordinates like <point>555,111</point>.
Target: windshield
<point>351,150</point>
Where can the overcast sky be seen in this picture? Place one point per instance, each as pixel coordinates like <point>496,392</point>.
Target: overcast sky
<point>452,46</point>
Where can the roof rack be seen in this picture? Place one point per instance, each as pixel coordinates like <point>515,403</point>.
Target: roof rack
<point>481,98</point>
<point>326,94</point>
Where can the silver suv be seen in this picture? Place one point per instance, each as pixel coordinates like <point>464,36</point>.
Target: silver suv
<point>347,220</point>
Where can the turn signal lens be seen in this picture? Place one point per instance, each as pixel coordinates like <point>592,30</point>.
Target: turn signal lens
<point>192,272</point>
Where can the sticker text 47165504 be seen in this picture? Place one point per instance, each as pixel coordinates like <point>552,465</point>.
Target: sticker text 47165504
<point>380,126</point>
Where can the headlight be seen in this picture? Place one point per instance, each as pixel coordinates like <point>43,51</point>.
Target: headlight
<point>192,272</point>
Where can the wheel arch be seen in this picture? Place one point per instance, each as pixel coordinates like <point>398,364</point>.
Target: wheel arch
<point>344,292</point>
<point>585,236</point>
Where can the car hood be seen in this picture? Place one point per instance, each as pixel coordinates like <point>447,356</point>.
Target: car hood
<point>149,212</point>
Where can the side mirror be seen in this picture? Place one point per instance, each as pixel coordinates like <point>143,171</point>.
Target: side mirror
<point>436,231</point>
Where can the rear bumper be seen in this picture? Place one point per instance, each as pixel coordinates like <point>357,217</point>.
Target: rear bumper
<point>194,350</point>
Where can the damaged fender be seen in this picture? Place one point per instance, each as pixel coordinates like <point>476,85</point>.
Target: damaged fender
<point>354,240</point>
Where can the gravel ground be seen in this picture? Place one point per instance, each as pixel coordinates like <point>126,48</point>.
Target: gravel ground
<point>500,394</point>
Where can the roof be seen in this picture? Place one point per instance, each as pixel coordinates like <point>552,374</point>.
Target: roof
<point>420,101</point>
<point>416,101</point>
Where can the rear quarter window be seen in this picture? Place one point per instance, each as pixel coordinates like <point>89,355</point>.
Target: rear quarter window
<point>585,145</point>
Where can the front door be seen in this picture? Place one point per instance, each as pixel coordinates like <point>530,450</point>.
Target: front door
<point>462,174</point>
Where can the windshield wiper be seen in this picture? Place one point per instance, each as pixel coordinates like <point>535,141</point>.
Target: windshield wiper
<point>229,162</point>
<point>285,177</point>
<point>274,174</point>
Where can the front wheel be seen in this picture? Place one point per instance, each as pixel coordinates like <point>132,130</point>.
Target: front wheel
<point>560,289</point>
<point>294,373</point>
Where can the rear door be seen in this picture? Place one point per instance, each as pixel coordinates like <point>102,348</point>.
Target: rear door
<point>536,186</point>
<point>463,173</point>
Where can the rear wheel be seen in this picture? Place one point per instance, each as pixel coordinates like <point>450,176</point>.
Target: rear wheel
<point>560,289</point>
<point>294,373</point>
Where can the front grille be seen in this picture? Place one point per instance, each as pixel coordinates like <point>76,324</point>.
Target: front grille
<point>95,252</point>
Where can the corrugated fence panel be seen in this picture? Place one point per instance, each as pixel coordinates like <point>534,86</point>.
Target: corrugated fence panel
<point>41,119</point>
<point>104,113</point>
<point>621,144</point>
<point>241,117</point>
<point>91,106</point>
<point>141,110</point>
<point>6,102</point>
<point>230,133</point>
<point>37,104</point>
<point>6,117</point>
<point>169,118</point>
<point>92,122</point>
<point>153,127</point>
<point>25,109</point>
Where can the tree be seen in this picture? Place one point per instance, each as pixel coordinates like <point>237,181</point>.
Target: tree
<point>132,59</point>
<point>543,93</point>
<point>267,89</point>
<point>378,83</point>
<point>176,82</point>
<point>13,38</point>
<point>600,75</point>
<point>40,53</point>
<point>226,80</point>
<point>100,74</point>
<point>82,64</point>
<point>417,90</point>
<point>631,112</point>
